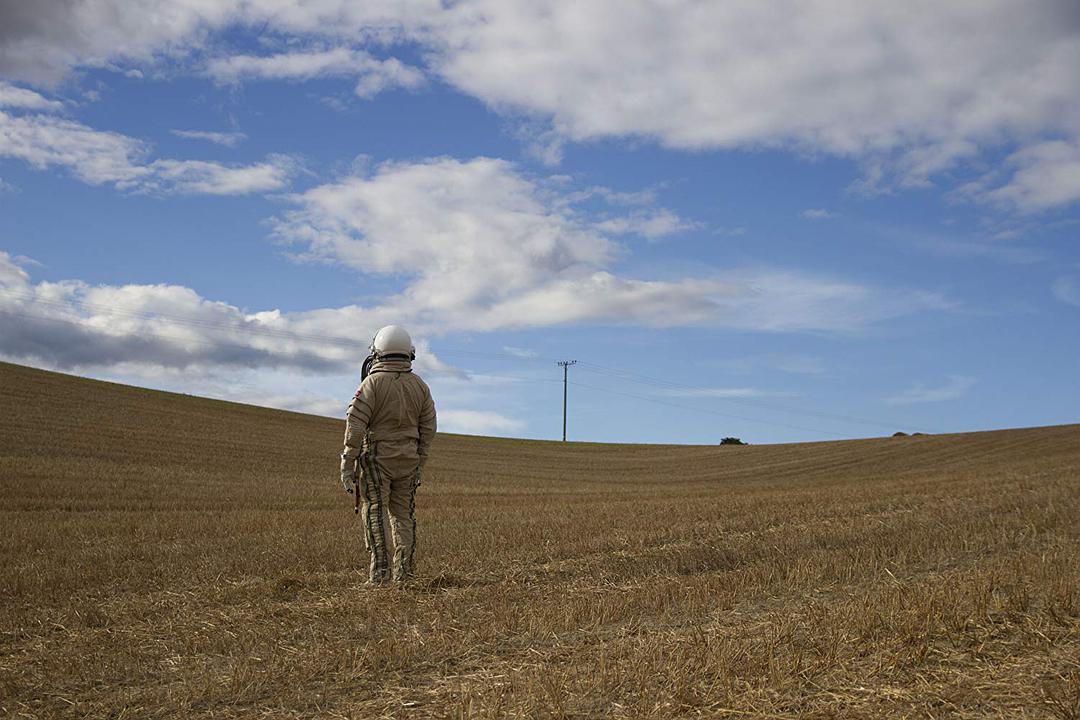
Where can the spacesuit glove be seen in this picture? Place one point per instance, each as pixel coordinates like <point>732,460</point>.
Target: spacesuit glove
<point>348,474</point>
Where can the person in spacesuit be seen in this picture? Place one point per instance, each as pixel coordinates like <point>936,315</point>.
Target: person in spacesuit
<point>388,432</point>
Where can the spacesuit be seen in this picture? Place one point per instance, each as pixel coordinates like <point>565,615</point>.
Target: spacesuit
<point>388,432</point>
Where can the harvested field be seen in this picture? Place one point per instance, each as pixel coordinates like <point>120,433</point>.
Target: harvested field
<point>166,556</point>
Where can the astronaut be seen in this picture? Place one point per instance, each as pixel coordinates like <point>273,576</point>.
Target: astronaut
<point>388,433</point>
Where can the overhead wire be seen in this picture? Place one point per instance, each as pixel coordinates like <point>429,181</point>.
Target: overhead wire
<point>710,411</point>
<point>631,376</point>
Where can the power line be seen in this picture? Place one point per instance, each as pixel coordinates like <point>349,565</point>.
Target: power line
<point>710,411</point>
<point>630,376</point>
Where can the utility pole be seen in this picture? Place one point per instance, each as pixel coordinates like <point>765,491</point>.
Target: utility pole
<point>565,365</point>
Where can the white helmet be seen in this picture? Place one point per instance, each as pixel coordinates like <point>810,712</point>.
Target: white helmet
<point>393,340</point>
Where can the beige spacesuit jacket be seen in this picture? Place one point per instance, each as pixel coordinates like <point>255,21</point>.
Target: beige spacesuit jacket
<point>394,413</point>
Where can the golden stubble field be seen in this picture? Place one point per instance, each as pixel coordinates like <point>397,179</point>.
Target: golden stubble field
<point>168,556</point>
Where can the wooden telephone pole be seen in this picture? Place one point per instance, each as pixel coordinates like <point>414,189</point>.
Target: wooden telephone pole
<point>565,365</point>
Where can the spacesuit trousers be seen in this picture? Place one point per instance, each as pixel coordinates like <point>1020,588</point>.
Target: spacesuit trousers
<point>383,498</point>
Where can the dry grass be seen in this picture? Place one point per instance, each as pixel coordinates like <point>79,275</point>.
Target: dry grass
<point>171,556</point>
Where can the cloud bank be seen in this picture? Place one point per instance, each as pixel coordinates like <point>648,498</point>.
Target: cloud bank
<point>478,245</point>
<point>70,324</point>
<point>909,90</point>
<point>482,246</point>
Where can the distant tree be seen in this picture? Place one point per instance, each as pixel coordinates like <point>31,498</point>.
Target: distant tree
<point>732,441</point>
<point>899,433</point>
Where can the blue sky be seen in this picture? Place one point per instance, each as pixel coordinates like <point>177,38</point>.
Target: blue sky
<point>839,222</point>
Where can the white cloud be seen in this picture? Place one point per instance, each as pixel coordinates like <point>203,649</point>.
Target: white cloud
<point>481,246</point>
<point>477,422</point>
<point>927,82</point>
<point>817,214</point>
<point>956,387</point>
<point>16,97</point>
<point>211,178</point>
<point>908,89</point>
<point>782,301</point>
<point>170,338</point>
<point>286,66</point>
<point>519,352</point>
<point>41,41</point>
<point>298,390</point>
<point>93,156</point>
<point>226,139</point>
<point>386,75</point>
<point>609,195</point>
<point>98,157</point>
<point>653,224</point>
<point>1067,290</point>
<point>545,146</point>
<point>70,324</point>
<point>1044,176</point>
<point>575,297</point>
<point>373,75</point>
<point>23,260</point>
<point>471,236</point>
